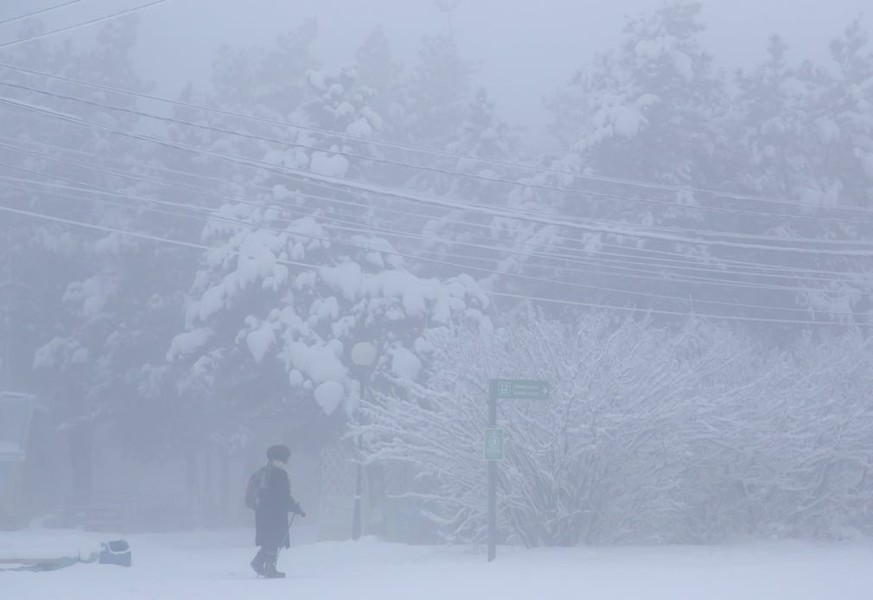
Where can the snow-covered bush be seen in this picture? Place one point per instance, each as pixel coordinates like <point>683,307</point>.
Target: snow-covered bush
<point>649,435</point>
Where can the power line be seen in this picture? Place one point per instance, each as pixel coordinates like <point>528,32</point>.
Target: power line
<point>629,309</point>
<point>38,12</point>
<point>82,25</point>
<point>623,257</point>
<point>612,228</point>
<point>745,285</point>
<point>645,275</point>
<point>428,168</point>
<point>574,259</point>
<point>441,260</point>
<point>537,169</point>
<point>358,245</point>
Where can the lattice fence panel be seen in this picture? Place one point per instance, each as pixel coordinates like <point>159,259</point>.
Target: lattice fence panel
<point>337,491</point>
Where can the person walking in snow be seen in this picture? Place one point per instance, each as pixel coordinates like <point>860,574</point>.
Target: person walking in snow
<point>269,494</point>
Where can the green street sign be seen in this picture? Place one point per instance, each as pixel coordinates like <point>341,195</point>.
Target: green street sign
<point>494,438</point>
<point>520,389</point>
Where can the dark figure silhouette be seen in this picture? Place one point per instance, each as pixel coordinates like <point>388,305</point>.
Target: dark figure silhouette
<point>269,494</point>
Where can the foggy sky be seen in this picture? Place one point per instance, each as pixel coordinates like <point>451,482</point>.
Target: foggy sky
<point>190,364</point>
<point>526,48</point>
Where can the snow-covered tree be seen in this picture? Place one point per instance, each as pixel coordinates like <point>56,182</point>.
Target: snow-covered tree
<point>645,112</point>
<point>378,71</point>
<point>296,298</point>
<point>467,176</point>
<point>797,135</point>
<point>299,270</point>
<point>436,93</point>
<point>649,435</point>
<point>103,295</point>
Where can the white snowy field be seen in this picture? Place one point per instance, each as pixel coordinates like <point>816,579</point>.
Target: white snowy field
<point>214,566</point>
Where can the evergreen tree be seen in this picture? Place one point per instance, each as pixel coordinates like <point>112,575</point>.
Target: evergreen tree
<point>298,271</point>
<point>646,112</point>
<point>436,93</point>
<point>800,140</point>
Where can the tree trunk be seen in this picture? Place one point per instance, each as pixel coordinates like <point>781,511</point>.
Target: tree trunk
<point>192,484</point>
<point>207,492</point>
<point>224,500</point>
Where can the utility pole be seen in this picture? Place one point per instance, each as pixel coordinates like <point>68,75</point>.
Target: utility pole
<point>492,476</point>
<point>6,290</point>
<point>364,356</point>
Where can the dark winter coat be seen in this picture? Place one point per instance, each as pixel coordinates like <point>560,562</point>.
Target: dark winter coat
<point>271,515</point>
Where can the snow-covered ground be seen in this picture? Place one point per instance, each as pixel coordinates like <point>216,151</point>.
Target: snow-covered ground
<point>214,566</point>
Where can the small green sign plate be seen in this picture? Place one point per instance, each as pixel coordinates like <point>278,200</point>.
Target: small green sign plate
<point>494,438</point>
<point>520,389</point>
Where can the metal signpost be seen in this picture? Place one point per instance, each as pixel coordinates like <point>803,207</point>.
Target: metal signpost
<point>503,389</point>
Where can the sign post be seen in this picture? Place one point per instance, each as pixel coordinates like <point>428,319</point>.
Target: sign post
<point>503,389</point>
<point>492,478</point>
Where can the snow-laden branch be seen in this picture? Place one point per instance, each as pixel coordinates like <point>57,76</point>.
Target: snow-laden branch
<point>649,435</point>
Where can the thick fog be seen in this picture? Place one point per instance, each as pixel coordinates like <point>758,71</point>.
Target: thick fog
<point>523,49</point>
<point>333,225</point>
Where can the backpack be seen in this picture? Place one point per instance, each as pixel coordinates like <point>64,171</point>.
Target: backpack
<point>257,482</point>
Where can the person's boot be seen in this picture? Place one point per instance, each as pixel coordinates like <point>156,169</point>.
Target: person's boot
<point>270,571</point>
<point>259,562</point>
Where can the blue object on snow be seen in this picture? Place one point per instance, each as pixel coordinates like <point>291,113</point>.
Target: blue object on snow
<point>116,552</point>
